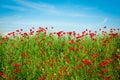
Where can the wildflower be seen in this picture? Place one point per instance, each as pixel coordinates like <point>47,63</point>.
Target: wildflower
<point>57,78</point>
<point>95,55</point>
<point>50,43</point>
<point>17,30</point>
<point>103,64</point>
<point>86,62</point>
<point>42,53</point>
<point>17,70</point>
<point>116,56</point>
<point>1,73</point>
<point>25,63</point>
<point>69,33</point>
<point>43,38</point>
<point>10,78</point>
<point>56,60</point>
<point>72,41</point>
<point>60,72</point>
<point>63,44</point>
<point>92,34</point>
<point>64,57</point>
<point>51,65</point>
<point>16,65</point>
<point>104,70</point>
<point>52,27</point>
<point>95,31</point>
<point>104,44</point>
<point>71,49</point>
<point>39,42</point>
<point>21,29</point>
<point>87,71</point>
<point>118,29</point>
<point>67,61</point>
<point>38,67</point>
<point>5,38</point>
<point>0,42</point>
<point>107,78</point>
<point>81,47</point>
<point>33,28</point>
<point>23,55</point>
<point>59,33</point>
<point>5,76</point>
<point>92,60</point>
<point>42,78</point>
<point>74,33</point>
<point>105,27</point>
<point>77,49</point>
<point>70,74</point>
<point>100,75</point>
<point>113,35</point>
<point>57,51</point>
<point>83,33</point>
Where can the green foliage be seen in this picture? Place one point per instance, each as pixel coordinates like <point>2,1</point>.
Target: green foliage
<point>48,57</point>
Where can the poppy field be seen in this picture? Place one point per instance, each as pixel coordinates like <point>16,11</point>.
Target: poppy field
<point>44,55</point>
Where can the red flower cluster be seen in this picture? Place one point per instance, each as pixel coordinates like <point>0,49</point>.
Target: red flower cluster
<point>86,62</point>
<point>17,70</point>
<point>105,63</point>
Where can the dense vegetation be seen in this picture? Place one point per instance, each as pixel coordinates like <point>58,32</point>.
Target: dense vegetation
<point>44,55</point>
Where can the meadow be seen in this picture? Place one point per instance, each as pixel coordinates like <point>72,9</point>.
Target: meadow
<point>44,55</point>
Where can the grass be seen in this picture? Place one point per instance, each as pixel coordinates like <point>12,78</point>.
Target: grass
<point>39,55</point>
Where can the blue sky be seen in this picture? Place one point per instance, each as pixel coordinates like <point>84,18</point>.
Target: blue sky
<point>67,15</point>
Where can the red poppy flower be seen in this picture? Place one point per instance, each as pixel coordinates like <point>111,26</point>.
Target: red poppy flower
<point>100,75</point>
<point>18,70</point>
<point>23,55</point>
<point>0,42</point>
<point>72,41</point>
<point>67,61</point>
<point>105,27</point>
<point>17,30</point>
<point>51,65</point>
<point>69,33</point>
<point>95,55</point>
<point>86,62</point>
<point>43,78</point>
<point>1,73</point>
<point>104,63</point>
<point>92,34</point>
<point>104,70</point>
<point>108,78</point>
<point>16,65</point>
<point>71,49</point>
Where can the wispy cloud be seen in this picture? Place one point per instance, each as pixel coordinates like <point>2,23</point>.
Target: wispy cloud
<point>53,9</point>
<point>37,6</point>
<point>104,20</point>
<point>14,7</point>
